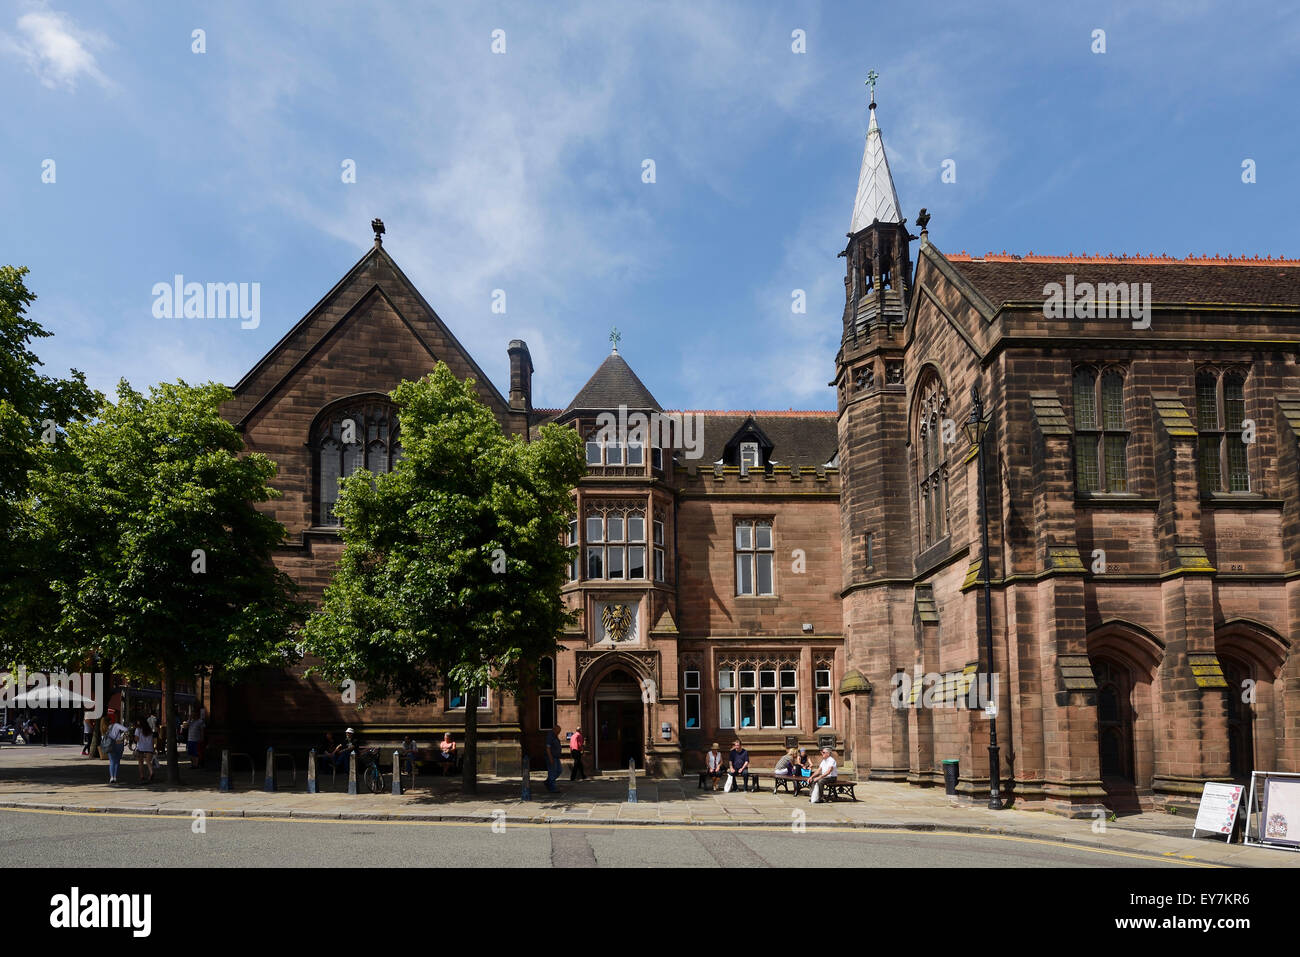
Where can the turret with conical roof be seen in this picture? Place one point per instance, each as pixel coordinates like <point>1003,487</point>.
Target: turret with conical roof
<point>612,385</point>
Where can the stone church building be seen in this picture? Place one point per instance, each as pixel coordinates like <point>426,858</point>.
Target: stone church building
<point>799,577</point>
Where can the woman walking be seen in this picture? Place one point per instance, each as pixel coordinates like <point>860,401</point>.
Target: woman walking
<point>115,741</point>
<point>144,751</point>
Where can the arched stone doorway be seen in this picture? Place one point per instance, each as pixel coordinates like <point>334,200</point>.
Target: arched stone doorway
<point>1125,660</point>
<point>618,728</point>
<point>1252,656</point>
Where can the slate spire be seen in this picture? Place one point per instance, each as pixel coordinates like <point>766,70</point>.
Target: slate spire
<point>877,198</point>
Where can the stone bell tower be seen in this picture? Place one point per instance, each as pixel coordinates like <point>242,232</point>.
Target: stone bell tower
<point>874,502</point>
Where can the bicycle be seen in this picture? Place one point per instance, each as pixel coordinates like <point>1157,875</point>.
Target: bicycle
<point>372,775</point>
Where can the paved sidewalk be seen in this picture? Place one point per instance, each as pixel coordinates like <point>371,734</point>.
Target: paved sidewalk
<point>59,778</point>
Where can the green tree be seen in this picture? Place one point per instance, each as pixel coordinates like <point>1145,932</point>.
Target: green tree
<point>34,409</point>
<point>453,562</point>
<point>157,558</point>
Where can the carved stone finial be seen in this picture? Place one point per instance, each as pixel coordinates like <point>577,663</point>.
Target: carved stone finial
<point>377,225</point>
<point>923,219</point>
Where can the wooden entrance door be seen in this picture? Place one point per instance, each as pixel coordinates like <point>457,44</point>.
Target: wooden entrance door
<point>618,734</point>
<point>1241,740</point>
<point>1114,718</point>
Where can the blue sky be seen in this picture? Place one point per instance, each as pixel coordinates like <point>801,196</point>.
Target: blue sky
<point>522,171</point>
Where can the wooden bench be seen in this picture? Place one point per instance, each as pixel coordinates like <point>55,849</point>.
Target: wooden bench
<point>753,781</point>
<point>782,782</point>
<point>832,788</point>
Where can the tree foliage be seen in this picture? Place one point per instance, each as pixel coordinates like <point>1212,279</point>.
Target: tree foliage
<point>154,553</point>
<point>34,409</point>
<point>453,562</point>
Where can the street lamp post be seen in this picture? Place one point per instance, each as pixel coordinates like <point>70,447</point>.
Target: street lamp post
<point>976,429</point>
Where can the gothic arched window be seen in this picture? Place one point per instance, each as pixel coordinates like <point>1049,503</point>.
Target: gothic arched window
<point>353,435</point>
<point>932,462</point>
<point>1221,446</point>
<point>1100,433</point>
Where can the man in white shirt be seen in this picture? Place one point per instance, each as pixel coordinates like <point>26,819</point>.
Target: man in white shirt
<point>827,769</point>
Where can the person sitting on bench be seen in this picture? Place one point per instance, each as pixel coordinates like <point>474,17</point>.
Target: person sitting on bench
<point>740,763</point>
<point>713,765</point>
<point>787,765</point>
<point>826,771</point>
<point>335,755</point>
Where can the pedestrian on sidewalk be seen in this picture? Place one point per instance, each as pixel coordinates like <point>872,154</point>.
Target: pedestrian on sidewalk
<point>553,751</point>
<point>115,737</point>
<point>194,740</point>
<point>87,728</point>
<point>144,751</point>
<point>575,751</point>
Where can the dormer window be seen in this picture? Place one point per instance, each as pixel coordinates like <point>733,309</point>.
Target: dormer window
<point>748,448</point>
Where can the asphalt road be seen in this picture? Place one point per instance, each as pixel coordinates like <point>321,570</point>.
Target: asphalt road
<point>66,839</point>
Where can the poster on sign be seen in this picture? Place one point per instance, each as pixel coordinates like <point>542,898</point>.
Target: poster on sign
<point>1280,817</point>
<point>1218,808</point>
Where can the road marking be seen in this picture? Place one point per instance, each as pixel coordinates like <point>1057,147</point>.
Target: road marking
<point>215,816</point>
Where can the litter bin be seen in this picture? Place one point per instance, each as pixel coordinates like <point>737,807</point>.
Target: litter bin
<point>950,776</point>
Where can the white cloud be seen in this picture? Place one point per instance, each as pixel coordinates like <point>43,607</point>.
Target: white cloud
<point>56,50</point>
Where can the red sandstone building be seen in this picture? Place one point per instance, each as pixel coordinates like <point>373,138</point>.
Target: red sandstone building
<point>775,580</point>
<point>706,573</point>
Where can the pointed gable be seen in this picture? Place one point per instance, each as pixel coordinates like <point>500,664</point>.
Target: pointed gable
<point>366,335</point>
<point>373,321</point>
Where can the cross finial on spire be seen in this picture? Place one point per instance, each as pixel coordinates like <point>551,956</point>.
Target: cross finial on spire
<point>615,336</point>
<point>872,77</point>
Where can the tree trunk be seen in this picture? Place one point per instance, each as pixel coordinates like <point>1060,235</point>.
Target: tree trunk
<point>169,720</point>
<point>469,762</point>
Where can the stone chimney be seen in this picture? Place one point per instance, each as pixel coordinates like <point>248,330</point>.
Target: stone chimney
<point>521,376</point>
